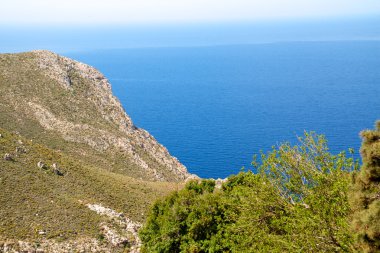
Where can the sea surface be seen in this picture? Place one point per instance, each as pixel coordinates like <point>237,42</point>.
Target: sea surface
<point>215,107</point>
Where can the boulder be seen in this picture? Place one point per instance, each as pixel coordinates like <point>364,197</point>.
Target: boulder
<point>20,150</point>
<point>42,232</point>
<point>41,165</point>
<point>56,170</point>
<point>8,157</point>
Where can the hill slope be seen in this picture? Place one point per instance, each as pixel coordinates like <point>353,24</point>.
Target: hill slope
<point>75,173</point>
<point>69,106</point>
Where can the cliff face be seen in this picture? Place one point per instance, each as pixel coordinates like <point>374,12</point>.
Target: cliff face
<point>69,105</point>
<point>75,173</point>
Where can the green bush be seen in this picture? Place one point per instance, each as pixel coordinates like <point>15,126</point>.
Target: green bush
<point>296,202</point>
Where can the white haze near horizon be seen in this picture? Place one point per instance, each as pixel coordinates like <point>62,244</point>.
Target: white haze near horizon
<point>122,12</point>
<point>64,39</point>
<point>77,25</point>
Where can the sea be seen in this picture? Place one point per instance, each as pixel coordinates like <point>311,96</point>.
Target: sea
<point>214,107</point>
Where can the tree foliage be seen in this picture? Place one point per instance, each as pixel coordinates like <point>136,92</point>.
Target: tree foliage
<point>296,202</point>
<point>365,194</point>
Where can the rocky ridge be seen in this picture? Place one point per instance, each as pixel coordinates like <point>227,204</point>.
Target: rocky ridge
<point>60,68</point>
<point>117,130</point>
<point>67,143</point>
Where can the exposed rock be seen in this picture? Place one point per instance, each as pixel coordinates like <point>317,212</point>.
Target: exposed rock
<point>8,157</point>
<point>51,246</point>
<point>113,237</point>
<point>122,222</point>
<point>42,232</point>
<point>20,150</point>
<point>57,170</point>
<point>219,182</point>
<point>41,165</point>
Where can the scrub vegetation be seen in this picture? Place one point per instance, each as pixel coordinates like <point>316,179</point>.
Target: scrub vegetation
<point>33,198</point>
<point>298,201</point>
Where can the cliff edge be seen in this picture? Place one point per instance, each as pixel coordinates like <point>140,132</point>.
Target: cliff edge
<point>72,101</point>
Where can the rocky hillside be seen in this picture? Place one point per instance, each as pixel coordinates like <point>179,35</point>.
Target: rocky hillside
<point>69,106</point>
<point>75,173</point>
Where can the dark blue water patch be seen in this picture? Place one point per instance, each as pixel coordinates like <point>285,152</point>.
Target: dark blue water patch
<point>215,107</point>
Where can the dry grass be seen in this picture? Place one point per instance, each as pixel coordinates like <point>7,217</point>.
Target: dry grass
<point>34,199</point>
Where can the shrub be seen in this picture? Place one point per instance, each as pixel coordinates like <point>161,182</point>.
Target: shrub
<point>296,202</point>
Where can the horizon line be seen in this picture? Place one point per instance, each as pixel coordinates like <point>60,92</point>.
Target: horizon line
<point>282,20</point>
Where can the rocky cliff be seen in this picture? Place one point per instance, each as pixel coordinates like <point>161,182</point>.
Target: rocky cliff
<point>75,174</point>
<point>74,102</point>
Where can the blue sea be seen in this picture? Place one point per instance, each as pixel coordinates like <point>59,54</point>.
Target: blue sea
<point>215,107</point>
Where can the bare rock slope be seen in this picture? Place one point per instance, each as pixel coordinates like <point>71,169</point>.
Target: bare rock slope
<point>63,100</point>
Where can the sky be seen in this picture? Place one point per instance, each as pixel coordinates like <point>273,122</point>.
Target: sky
<point>77,25</point>
<point>126,12</point>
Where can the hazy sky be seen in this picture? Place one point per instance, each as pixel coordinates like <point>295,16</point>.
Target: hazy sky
<point>82,12</point>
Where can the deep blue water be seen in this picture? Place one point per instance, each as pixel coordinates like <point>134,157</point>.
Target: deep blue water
<point>214,107</point>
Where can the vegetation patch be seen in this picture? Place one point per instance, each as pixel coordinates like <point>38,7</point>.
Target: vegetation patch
<point>37,204</point>
<point>297,202</point>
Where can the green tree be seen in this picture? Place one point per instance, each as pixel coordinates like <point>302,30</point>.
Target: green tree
<point>365,193</point>
<point>297,201</point>
<point>316,184</point>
